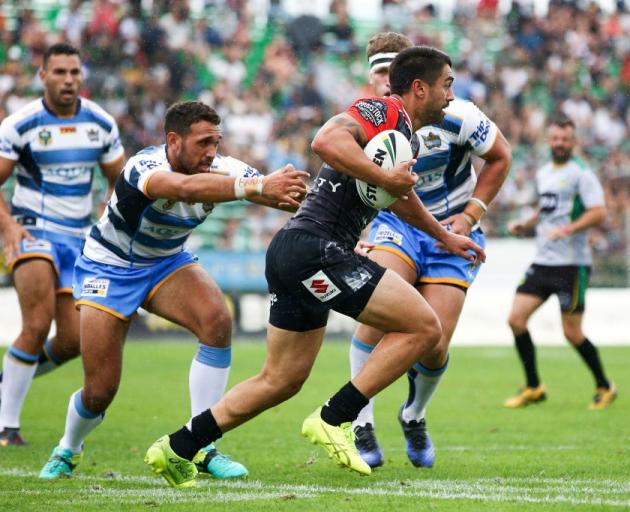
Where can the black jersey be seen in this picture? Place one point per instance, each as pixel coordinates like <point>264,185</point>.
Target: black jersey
<point>333,209</point>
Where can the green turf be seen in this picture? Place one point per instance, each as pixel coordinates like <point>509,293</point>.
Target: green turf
<point>554,456</point>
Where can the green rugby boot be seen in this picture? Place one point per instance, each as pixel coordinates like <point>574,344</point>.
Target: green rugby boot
<point>337,441</point>
<point>178,472</point>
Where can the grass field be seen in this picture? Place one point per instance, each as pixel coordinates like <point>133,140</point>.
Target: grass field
<point>555,456</point>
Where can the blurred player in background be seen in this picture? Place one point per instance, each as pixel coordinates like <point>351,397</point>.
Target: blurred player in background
<point>570,200</point>
<point>55,143</point>
<point>312,268</point>
<point>450,190</point>
<point>134,256</point>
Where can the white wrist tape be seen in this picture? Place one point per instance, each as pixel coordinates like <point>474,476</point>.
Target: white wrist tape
<point>479,203</point>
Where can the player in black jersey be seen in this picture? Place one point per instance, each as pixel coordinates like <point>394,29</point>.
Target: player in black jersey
<point>312,268</point>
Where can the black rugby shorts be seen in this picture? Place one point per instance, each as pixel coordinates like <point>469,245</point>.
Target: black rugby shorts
<point>308,276</point>
<point>568,282</point>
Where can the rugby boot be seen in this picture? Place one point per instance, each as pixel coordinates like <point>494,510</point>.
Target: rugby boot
<point>337,441</point>
<point>526,396</point>
<point>177,471</point>
<point>61,464</point>
<point>218,465</point>
<point>366,443</point>
<point>420,450</point>
<point>11,437</point>
<point>603,398</point>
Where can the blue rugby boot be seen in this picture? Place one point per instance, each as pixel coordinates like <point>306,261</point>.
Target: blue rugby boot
<point>60,464</point>
<point>368,447</point>
<point>420,448</point>
<point>214,463</point>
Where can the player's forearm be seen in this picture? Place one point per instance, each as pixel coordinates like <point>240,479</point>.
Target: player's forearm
<point>590,218</point>
<point>493,174</point>
<point>415,213</point>
<point>340,150</point>
<point>198,188</point>
<point>6,219</point>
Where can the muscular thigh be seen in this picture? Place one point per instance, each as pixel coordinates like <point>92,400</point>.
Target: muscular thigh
<point>396,306</point>
<point>34,281</point>
<point>447,302</point>
<point>187,298</point>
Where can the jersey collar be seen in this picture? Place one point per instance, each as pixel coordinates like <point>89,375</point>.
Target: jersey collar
<point>400,105</point>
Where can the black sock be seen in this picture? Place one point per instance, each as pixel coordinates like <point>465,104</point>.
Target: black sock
<point>344,406</point>
<point>590,355</point>
<point>527,353</point>
<point>186,443</point>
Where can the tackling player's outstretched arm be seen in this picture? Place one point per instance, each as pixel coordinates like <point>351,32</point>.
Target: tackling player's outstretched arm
<point>213,188</point>
<point>277,180</point>
<point>340,144</point>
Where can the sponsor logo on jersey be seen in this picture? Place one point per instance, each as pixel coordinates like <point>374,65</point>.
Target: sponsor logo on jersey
<point>321,286</point>
<point>65,130</point>
<point>373,111</point>
<point>432,140</point>
<point>5,145</point>
<point>481,133</point>
<point>45,137</point>
<point>548,202</point>
<point>95,287</point>
<point>92,135</point>
<point>273,298</point>
<point>36,245</point>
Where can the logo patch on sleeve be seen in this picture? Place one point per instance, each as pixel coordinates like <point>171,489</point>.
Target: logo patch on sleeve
<point>95,287</point>
<point>321,286</point>
<point>373,111</point>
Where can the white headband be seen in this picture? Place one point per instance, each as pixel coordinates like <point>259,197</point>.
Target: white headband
<point>381,59</point>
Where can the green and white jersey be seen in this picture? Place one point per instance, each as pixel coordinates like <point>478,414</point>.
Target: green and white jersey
<point>565,191</point>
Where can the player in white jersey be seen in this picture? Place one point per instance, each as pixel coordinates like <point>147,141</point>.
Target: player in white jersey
<point>55,144</point>
<point>448,187</point>
<point>570,200</point>
<point>135,256</point>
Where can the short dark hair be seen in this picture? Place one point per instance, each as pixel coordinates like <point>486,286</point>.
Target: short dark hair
<point>562,120</point>
<point>60,49</point>
<point>419,62</point>
<point>181,115</point>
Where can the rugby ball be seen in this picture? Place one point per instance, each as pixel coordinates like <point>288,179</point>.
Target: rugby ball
<point>386,149</point>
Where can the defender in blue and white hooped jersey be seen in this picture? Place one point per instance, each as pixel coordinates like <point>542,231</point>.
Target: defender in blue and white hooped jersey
<point>135,256</point>
<point>448,187</point>
<point>55,144</point>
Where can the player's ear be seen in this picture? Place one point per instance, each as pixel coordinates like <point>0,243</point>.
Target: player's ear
<point>41,72</point>
<point>419,88</point>
<point>173,139</point>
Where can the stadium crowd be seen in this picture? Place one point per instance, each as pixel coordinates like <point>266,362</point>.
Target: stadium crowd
<point>274,78</point>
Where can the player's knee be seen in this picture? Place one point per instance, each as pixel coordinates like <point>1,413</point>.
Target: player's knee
<point>98,398</point>
<point>517,323</point>
<point>574,336</point>
<point>35,332</point>
<point>284,385</point>
<point>217,328</point>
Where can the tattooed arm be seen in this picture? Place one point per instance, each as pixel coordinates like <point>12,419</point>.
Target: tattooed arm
<point>340,144</point>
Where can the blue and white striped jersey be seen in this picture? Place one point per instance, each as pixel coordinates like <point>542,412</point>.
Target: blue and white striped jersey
<point>55,161</point>
<point>137,230</point>
<point>446,178</point>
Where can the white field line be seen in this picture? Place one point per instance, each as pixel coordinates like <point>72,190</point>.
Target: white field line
<point>518,490</point>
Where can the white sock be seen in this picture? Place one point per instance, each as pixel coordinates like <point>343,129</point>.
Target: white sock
<point>79,423</point>
<point>18,370</point>
<point>359,353</point>
<point>208,377</point>
<point>422,384</point>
